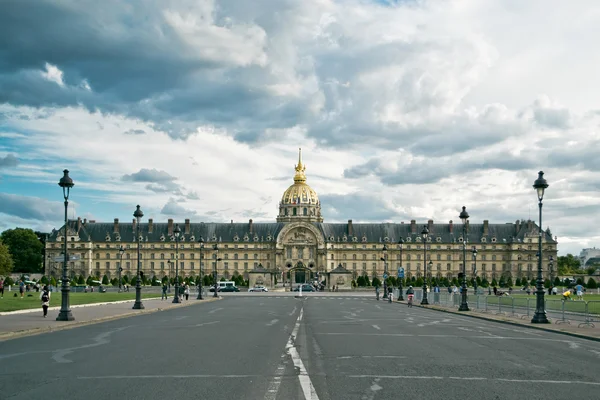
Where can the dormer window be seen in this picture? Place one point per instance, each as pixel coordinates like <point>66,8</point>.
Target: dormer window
<point>364,239</point>
<point>354,239</point>
<point>483,240</point>
<point>438,239</point>
<point>162,237</point>
<point>409,239</point>
<point>493,240</point>
<point>236,238</point>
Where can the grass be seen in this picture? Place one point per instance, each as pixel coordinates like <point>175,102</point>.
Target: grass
<point>10,303</point>
<point>553,303</point>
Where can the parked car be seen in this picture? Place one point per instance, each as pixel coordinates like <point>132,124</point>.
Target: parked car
<point>229,289</point>
<point>305,288</point>
<point>258,289</point>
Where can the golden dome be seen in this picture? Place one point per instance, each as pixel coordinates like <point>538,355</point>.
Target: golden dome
<point>300,192</point>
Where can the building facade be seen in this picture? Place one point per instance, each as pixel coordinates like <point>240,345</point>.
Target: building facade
<point>299,246</point>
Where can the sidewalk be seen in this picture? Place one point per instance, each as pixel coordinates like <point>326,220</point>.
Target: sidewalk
<point>565,329</point>
<point>33,323</point>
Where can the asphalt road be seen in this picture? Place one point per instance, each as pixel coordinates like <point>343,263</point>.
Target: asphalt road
<point>281,347</point>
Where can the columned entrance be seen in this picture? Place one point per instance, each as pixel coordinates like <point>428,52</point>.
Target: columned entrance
<point>300,276</point>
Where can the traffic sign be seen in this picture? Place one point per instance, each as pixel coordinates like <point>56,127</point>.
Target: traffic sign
<point>401,272</point>
<point>385,276</point>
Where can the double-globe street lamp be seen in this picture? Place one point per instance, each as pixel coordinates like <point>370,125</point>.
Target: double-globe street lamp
<point>400,296</point>
<point>176,232</point>
<point>464,306</point>
<point>474,270</point>
<point>121,251</point>
<point>138,214</point>
<point>424,236</point>
<point>539,317</point>
<point>201,241</point>
<point>65,314</point>
<point>217,259</point>
<point>385,271</point>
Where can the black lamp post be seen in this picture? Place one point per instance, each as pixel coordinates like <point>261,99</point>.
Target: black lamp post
<point>216,249</point>
<point>464,306</point>
<point>400,296</point>
<point>138,214</point>
<point>551,269</point>
<point>424,235</point>
<point>474,270</point>
<point>176,232</point>
<point>121,251</point>
<point>385,271</point>
<point>65,314</point>
<point>201,241</point>
<point>539,317</point>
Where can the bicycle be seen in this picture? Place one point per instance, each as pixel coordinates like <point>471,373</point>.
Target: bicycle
<point>410,300</point>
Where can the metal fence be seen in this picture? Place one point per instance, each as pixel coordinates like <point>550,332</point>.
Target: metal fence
<point>583,313</point>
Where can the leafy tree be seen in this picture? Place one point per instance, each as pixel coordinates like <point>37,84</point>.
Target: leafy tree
<point>502,282</point>
<point>518,281</point>
<point>223,279</point>
<point>376,282</point>
<point>547,283</point>
<point>9,281</point>
<point>25,249</point>
<point>557,281</point>
<point>509,282</point>
<point>367,282</point>
<point>494,282</point>
<point>81,280</point>
<point>590,270</point>
<point>592,284</point>
<point>89,280</point>
<point>6,260</point>
<point>105,280</point>
<point>53,281</point>
<point>485,283</point>
<point>360,281</point>
<point>579,281</point>
<point>568,264</point>
<point>126,279</point>
<point>44,280</point>
<point>533,282</point>
<point>275,280</point>
<point>419,282</point>
<point>455,281</point>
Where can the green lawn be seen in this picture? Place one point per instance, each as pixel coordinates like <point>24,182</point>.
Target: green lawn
<point>10,303</point>
<point>553,302</point>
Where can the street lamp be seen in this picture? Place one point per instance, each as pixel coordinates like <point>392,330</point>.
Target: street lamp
<point>201,241</point>
<point>138,214</point>
<point>385,271</point>
<point>65,314</point>
<point>121,251</point>
<point>539,317</point>
<point>176,232</point>
<point>551,268</point>
<point>424,235</point>
<point>400,296</point>
<point>464,306</point>
<point>474,270</point>
<point>216,249</point>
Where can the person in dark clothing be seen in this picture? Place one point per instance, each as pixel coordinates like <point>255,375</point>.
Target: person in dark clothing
<point>45,298</point>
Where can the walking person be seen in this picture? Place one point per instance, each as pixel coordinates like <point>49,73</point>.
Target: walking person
<point>1,288</point>
<point>22,288</point>
<point>164,291</point>
<point>187,291</point>
<point>45,298</point>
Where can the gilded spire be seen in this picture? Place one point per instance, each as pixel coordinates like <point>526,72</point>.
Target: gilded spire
<point>300,168</point>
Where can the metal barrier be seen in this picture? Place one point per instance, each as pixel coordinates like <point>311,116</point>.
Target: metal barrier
<point>592,313</point>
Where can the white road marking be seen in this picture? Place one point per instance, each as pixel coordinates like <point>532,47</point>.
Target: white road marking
<point>376,327</point>
<point>573,345</point>
<point>475,378</point>
<point>208,323</point>
<point>273,322</point>
<point>164,376</point>
<point>216,309</point>
<point>180,318</point>
<point>305,383</point>
<point>103,338</point>
<point>353,357</point>
<point>443,336</point>
<point>293,311</point>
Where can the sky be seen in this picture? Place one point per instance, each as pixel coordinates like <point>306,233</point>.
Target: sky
<point>406,109</point>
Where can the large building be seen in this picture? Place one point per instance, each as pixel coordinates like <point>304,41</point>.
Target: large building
<point>300,245</point>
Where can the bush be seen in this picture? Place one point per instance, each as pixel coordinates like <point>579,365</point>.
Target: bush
<point>518,282</point>
<point>485,283</point>
<point>547,283</point>
<point>53,281</point>
<point>9,281</point>
<point>105,280</point>
<point>557,281</point>
<point>419,282</point>
<point>360,281</point>
<point>44,280</point>
<point>81,280</point>
<point>366,278</point>
<point>533,282</point>
<point>376,282</point>
<point>126,279</point>
<point>494,282</point>
<point>592,284</point>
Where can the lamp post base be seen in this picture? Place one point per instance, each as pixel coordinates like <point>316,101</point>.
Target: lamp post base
<point>176,298</point>
<point>200,294</point>
<point>65,313</point>
<point>138,305</point>
<point>539,318</point>
<point>424,302</point>
<point>65,316</point>
<point>464,307</point>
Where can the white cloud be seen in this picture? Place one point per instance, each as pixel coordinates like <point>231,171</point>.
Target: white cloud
<point>53,74</point>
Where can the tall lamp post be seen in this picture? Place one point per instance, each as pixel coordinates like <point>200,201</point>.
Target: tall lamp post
<point>201,241</point>
<point>65,314</point>
<point>464,306</point>
<point>539,317</point>
<point>551,269</point>
<point>138,214</point>
<point>474,270</point>
<point>176,232</point>
<point>424,235</point>
<point>216,249</point>
<point>121,251</point>
<point>385,271</point>
<point>400,296</point>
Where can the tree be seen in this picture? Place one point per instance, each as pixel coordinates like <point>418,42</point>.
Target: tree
<point>518,282</point>
<point>89,281</point>
<point>419,282</point>
<point>494,282</point>
<point>567,264</point>
<point>6,260</point>
<point>485,283</point>
<point>547,283</point>
<point>44,280</point>
<point>509,281</point>
<point>105,280</point>
<point>25,249</point>
<point>360,281</point>
<point>126,279</point>
<point>590,270</point>
<point>367,282</point>
<point>53,281</point>
<point>376,282</point>
<point>557,281</point>
<point>533,282</point>
<point>81,280</point>
<point>592,284</point>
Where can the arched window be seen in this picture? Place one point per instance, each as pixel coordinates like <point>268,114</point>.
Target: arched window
<point>305,211</point>
<point>285,212</point>
<point>108,256</point>
<point>294,211</point>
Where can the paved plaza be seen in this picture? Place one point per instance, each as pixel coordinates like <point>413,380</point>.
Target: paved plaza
<point>278,346</point>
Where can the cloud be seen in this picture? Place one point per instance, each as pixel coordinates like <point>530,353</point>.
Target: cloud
<point>159,181</point>
<point>8,161</point>
<point>173,209</point>
<point>31,208</point>
<point>135,132</point>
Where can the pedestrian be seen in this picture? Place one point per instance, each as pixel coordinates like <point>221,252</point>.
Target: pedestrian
<point>22,288</point>
<point>187,291</point>
<point>579,290</point>
<point>1,288</point>
<point>45,298</point>
<point>164,291</point>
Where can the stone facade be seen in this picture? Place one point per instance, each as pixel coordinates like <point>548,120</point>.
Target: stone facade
<point>299,246</point>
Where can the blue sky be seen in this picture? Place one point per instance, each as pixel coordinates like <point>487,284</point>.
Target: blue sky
<point>404,110</point>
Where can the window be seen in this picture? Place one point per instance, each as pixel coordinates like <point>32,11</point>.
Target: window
<point>107,265</point>
<point>162,256</point>
<point>192,256</point>
<point>172,256</point>
<point>256,256</point>
<point>294,211</point>
<point>128,265</point>
<point>226,265</point>
<point>305,211</point>
<point>245,256</point>
<point>182,265</point>
<point>245,266</point>
<point>343,256</point>
<point>192,265</point>
<point>439,257</point>
<point>152,256</point>
<point>448,267</point>
<point>226,256</point>
<point>162,265</point>
<point>364,257</point>
<point>182,256</point>
<point>152,265</point>
<point>98,265</point>
<point>97,256</point>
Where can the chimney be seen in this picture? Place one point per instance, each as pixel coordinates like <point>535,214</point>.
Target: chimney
<point>150,225</point>
<point>187,226</point>
<point>84,221</point>
<point>250,226</point>
<point>451,226</point>
<point>430,226</point>
<point>413,226</point>
<point>116,226</point>
<point>78,224</point>
<point>170,227</point>
<point>134,226</point>
<point>350,228</point>
<point>517,226</point>
<point>486,228</point>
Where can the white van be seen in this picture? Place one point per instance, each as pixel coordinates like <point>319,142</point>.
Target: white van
<point>223,284</point>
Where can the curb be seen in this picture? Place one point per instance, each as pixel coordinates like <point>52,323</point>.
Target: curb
<point>36,331</point>
<point>538,327</point>
<point>37,309</point>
